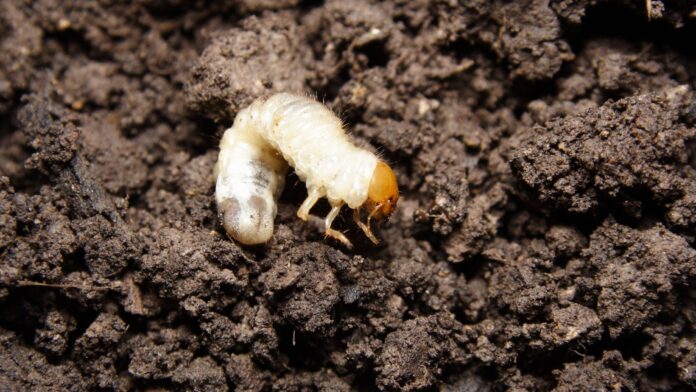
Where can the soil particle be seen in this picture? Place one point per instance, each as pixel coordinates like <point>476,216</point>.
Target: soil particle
<point>591,374</point>
<point>632,152</point>
<point>304,274</point>
<point>202,374</point>
<point>246,375</point>
<point>483,215</point>
<point>521,287</point>
<point>637,271</point>
<point>530,39</point>
<point>322,380</point>
<point>101,144</point>
<point>573,322</point>
<point>234,71</point>
<point>414,355</point>
<point>25,368</point>
<point>96,350</point>
<point>54,337</point>
<point>168,354</point>
<point>183,270</point>
<point>21,45</point>
<point>51,131</point>
<point>46,237</point>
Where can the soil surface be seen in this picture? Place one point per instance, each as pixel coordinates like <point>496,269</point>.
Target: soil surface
<point>545,238</point>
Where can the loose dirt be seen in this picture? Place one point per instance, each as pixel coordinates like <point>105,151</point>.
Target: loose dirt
<point>545,239</point>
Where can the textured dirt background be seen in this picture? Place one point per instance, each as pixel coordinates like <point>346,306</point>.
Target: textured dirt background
<point>545,239</point>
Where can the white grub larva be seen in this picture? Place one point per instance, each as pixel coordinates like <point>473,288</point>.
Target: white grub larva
<point>294,130</point>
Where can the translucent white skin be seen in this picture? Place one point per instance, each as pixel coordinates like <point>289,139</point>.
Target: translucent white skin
<point>252,163</point>
<point>250,177</point>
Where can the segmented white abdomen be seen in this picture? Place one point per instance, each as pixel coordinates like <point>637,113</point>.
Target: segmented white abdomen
<point>250,177</point>
<point>312,140</point>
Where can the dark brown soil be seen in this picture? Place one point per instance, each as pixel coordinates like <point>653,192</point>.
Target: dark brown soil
<point>545,239</point>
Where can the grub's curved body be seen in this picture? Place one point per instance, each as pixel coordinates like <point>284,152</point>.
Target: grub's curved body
<point>312,140</point>
<point>294,130</point>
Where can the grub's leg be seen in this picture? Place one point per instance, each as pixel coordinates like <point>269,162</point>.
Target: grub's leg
<point>312,196</point>
<point>329,232</point>
<point>365,228</point>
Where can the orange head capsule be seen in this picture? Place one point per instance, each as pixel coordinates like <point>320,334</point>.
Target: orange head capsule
<point>383,192</point>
